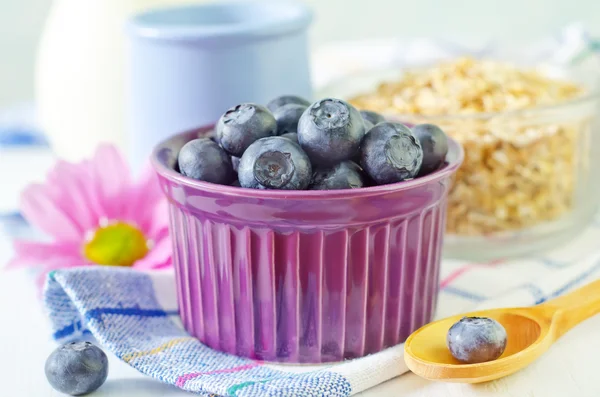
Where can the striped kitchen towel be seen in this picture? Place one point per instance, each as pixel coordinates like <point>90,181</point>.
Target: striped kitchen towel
<point>134,316</point>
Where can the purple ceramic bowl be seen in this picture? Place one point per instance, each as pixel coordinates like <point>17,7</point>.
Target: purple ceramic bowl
<point>304,276</point>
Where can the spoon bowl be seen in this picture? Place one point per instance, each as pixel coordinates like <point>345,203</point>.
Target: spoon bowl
<point>530,332</point>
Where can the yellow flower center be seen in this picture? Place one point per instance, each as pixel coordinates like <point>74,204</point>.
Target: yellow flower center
<point>117,244</point>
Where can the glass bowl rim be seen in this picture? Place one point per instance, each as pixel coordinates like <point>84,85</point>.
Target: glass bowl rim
<point>589,96</point>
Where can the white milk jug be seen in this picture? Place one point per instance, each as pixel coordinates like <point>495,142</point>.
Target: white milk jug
<point>80,73</point>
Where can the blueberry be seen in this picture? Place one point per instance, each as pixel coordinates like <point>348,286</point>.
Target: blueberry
<point>204,160</point>
<point>287,117</point>
<point>242,125</point>
<point>236,183</point>
<point>476,340</point>
<point>275,163</point>
<point>235,162</point>
<point>372,117</point>
<point>390,153</point>
<point>286,100</point>
<point>344,175</point>
<point>77,368</point>
<point>291,135</point>
<point>330,131</point>
<point>368,125</point>
<point>435,146</point>
<point>210,134</point>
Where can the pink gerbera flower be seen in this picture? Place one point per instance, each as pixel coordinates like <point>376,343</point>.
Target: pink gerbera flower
<point>95,214</point>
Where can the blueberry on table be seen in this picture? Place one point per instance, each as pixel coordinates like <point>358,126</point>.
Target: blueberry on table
<point>77,368</point>
<point>344,175</point>
<point>204,160</point>
<point>372,117</point>
<point>434,143</point>
<point>243,124</point>
<point>275,163</point>
<point>390,153</point>
<point>291,135</point>
<point>476,340</point>
<point>330,131</point>
<point>287,117</point>
<point>286,100</point>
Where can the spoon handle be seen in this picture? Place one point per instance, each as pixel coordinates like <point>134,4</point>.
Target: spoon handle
<point>569,310</point>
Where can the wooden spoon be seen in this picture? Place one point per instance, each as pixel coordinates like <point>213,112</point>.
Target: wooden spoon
<point>530,331</point>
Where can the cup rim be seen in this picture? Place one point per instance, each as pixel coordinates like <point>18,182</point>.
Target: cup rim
<point>454,159</point>
<point>284,16</point>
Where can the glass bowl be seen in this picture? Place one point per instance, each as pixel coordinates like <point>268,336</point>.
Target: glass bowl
<point>527,182</point>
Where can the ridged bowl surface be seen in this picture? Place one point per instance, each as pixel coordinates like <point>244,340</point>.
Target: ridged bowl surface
<point>304,276</point>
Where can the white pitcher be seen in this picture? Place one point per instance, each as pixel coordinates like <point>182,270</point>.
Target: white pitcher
<point>80,73</point>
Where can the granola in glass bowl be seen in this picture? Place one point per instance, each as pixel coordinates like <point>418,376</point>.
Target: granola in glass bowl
<point>528,139</point>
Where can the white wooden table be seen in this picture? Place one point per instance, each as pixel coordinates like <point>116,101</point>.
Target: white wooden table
<point>570,368</point>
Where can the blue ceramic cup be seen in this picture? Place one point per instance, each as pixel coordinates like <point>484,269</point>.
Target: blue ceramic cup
<point>188,64</point>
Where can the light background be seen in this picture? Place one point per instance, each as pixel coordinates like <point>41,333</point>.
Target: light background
<point>22,348</point>
<point>21,22</point>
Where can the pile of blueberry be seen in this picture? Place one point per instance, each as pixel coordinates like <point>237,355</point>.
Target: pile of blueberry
<point>294,145</point>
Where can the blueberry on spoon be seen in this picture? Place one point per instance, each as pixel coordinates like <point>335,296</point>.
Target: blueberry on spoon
<point>476,340</point>
<point>390,153</point>
<point>204,160</point>
<point>434,143</point>
<point>275,163</point>
<point>243,124</point>
<point>330,131</point>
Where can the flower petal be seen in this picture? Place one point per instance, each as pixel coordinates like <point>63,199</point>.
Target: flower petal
<point>158,257</point>
<point>160,234</point>
<point>40,208</point>
<point>46,255</point>
<point>166,265</point>
<point>112,169</point>
<point>72,190</point>
<point>155,222</point>
<point>145,196</point>
<point>113,179</point>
